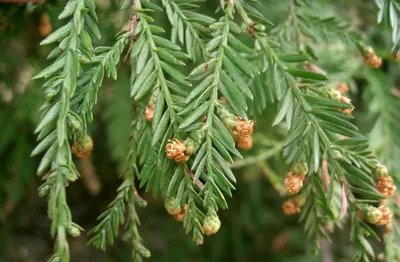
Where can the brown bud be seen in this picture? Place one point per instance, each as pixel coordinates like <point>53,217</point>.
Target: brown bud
<point>290,207</point>
<point>372,59</point>
<point>83,146</point>
<point>149,114</point>
<point>169,206</point>
<point>45,27</point>
<point>293,183</point>
<point>176,150</point>
<point>386,218</point>
<point>211,224</point>
<point>179,217</point>
<point>386,186</point>
<point>244,142</point>
<point>244,127</point>
<point>182,158</point>
<point>346,100</point>
<point>343,88</point>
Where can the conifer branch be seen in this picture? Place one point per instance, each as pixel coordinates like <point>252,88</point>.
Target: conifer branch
<point>103,63</point>
<point>317,117</point>
<point>389,11</point>
<point>189,27</point>
<point>59,123</point>
<point>185,139</point>
<point>123,206</point>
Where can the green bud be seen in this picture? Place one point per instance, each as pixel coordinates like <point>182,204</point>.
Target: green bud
<point>50,93</point>
<point>74,231</point>
<point>335,94</point>
<point>300,200</point>
<point>144,252</point>
<point>211,224</point>
<point>381,171</point>
<point>300,168</point>
<point>337,155</point>
<point>191,146</point>
<point>44,190</point>
<point>73,122</point>
<point>169,206</point>
<point>259,27</point>
<point>373,215</point>
<point>83,59</point>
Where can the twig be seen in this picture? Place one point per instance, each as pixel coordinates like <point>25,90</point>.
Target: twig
<point>344,202</point>
<point>198,183</point>
<point>272,177</point>
<point>132,28</point>
<point>136,193</point>
<point>395,92</point>
<point>258,158</point>
<point>326,251</point>
<point>89,177</point>
<point>325,174</point>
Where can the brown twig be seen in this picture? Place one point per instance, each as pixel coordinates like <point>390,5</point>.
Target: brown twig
<point>395,92</point>
<point>327,255</point>
<point>325,174</point>
<point>198,183</point>
<point>345,202</point>
<point>132,28</point>
<point>89,177</point>
<point>136,193</point>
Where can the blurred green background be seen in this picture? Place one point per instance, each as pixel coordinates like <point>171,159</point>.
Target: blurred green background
<point>253,229</point>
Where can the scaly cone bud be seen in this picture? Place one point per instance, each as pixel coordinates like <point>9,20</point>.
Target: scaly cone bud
<point>175,149</point>
<point>169,206</point>
<point>179,217</point>
<point>346,100</point>
<point>227,118</point>
<point>300,168</point>
<point>386,186</point>
<point>381,171</point>
<point>343,88</point>
<point>83,146</point>
<point>244,127</point>
<point>379,216</point>
<point>244,143</point>
<point>371,58</point>
<point>191,146</point>
<point>293,183</point>
<point>45,27</point>
<point>149,113</point>
<point>373,215</point>
<point>151,106</point>
<point>290,207</point>
<point>211,224</point>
